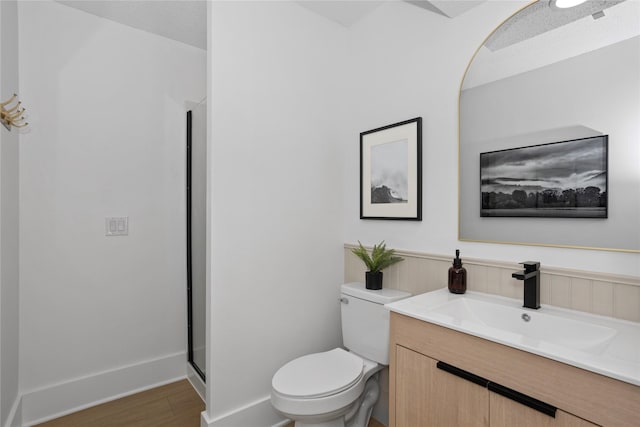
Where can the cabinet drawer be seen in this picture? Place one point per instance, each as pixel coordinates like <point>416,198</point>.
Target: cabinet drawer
<point>508,413</point>
<point>428,396</point>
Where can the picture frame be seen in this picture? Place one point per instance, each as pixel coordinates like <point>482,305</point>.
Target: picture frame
<point>565,179</point>
<point>391,172</point>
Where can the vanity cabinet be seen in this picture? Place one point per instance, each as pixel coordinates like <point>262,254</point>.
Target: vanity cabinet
<point>428,396</point>
<point>441,377</point>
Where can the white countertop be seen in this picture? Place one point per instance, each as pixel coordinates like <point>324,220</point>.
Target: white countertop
<point>599,344</point>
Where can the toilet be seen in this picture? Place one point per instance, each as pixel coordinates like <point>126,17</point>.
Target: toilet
<point>338,388</point>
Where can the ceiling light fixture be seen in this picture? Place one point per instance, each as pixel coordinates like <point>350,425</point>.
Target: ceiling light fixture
<point>565,4</point>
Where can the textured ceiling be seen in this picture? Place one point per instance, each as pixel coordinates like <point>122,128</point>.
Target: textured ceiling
<point>185,20</point>
<point>621,22</point>
<point>539,18</point>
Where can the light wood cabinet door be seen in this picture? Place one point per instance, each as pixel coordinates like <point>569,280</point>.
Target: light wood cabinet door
<point>507,413</point>
<point>427,396</point>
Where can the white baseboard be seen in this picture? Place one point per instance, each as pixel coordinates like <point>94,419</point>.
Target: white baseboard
<point>61,399</point>
<point>256,414</point>
<point>15,415</point>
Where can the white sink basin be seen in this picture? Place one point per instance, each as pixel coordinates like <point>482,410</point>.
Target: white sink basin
<point>600,344</point>
<point>539,326</point>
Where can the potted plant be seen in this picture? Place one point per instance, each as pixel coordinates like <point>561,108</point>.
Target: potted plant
<point>380,258</point>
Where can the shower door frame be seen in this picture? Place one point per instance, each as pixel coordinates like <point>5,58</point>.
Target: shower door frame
<point>189,255</point>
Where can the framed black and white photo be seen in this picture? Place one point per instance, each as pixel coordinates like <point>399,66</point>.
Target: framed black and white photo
<point>565,179</point>
<point>391,172</point>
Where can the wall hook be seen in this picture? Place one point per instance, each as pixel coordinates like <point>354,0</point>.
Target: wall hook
<point>12,116</point>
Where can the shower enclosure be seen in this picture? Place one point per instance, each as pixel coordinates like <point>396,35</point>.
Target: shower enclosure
<point>196,235</point>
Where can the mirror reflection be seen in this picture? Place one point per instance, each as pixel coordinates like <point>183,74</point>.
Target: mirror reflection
<point>545,76</point>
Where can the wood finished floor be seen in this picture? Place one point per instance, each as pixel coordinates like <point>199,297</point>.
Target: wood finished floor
<point>172,405</point>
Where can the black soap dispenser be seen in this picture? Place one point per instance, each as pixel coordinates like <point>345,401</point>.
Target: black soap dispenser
<point>457,276</point>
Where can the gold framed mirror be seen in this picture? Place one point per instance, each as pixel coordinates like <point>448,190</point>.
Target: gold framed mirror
<point>548,75</point>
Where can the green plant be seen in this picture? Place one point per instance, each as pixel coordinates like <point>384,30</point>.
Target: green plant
<point>380,257</point>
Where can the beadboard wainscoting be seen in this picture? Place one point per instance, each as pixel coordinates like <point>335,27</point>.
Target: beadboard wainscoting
<point>598,293</point>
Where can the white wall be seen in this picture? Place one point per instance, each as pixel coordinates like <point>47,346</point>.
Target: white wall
<point>9,291</point>
<point>409,62</point>
<point>277,104</point>
<point>107,138</point>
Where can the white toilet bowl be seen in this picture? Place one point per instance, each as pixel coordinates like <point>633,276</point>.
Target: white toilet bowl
<point>338,388</point>
<point>327,389</point>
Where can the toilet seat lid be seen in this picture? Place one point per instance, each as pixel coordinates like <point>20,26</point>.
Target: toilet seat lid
<point>319,374</point>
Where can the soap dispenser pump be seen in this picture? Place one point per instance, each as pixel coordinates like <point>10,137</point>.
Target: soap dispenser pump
<point>457,276</point>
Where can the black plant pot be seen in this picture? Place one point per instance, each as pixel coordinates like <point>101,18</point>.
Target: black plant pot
<point>373,280</point>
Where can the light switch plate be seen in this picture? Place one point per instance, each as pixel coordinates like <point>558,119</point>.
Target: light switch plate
<point>116,226</point>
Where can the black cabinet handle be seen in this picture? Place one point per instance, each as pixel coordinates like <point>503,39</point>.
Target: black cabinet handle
<point>523,399</point>
<point>463,374</point>
<point>516,396</point>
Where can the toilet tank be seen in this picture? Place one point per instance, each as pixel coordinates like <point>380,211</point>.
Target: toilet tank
<point>365,320</point>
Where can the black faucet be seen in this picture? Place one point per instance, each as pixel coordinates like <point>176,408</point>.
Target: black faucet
<point>531,277</point>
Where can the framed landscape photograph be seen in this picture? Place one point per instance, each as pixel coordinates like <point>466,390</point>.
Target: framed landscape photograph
<point>565,179</point>
<point>391,172</point>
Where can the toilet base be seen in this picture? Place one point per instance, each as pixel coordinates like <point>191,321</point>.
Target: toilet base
<point>359,413</point>
<point>333,423</point>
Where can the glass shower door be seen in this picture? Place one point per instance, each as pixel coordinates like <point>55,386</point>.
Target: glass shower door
<point>196,235</point>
